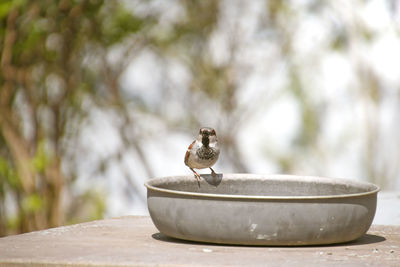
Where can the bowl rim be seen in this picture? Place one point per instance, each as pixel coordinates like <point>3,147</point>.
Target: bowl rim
<point>268,176</point>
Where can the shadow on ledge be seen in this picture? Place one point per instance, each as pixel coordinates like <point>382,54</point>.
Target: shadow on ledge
<point>364,240</point>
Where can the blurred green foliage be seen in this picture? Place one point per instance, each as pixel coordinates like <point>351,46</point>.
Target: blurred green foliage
<point>52,55</point>
<point>56,68</point>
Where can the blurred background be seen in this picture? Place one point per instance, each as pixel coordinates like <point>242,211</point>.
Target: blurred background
<point>96,97</point>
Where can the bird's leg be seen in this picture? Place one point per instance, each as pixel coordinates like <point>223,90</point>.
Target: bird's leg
<point>213,173</point>
<point>196,175</point>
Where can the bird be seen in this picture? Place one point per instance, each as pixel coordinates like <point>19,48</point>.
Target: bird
<point>203,152</point>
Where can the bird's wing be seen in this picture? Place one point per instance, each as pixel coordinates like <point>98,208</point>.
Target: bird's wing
<point>188,152</point>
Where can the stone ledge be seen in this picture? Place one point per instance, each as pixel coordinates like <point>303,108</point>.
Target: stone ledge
<point>133,241</point>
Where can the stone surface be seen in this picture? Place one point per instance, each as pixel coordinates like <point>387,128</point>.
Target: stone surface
<point>135,241</point>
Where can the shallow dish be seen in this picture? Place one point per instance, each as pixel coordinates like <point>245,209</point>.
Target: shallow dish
<point>250,209</point>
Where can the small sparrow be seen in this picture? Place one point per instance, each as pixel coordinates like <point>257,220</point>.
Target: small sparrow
<point>203,152</point>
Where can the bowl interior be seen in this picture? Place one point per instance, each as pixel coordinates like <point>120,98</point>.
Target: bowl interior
<point>263,185</point>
